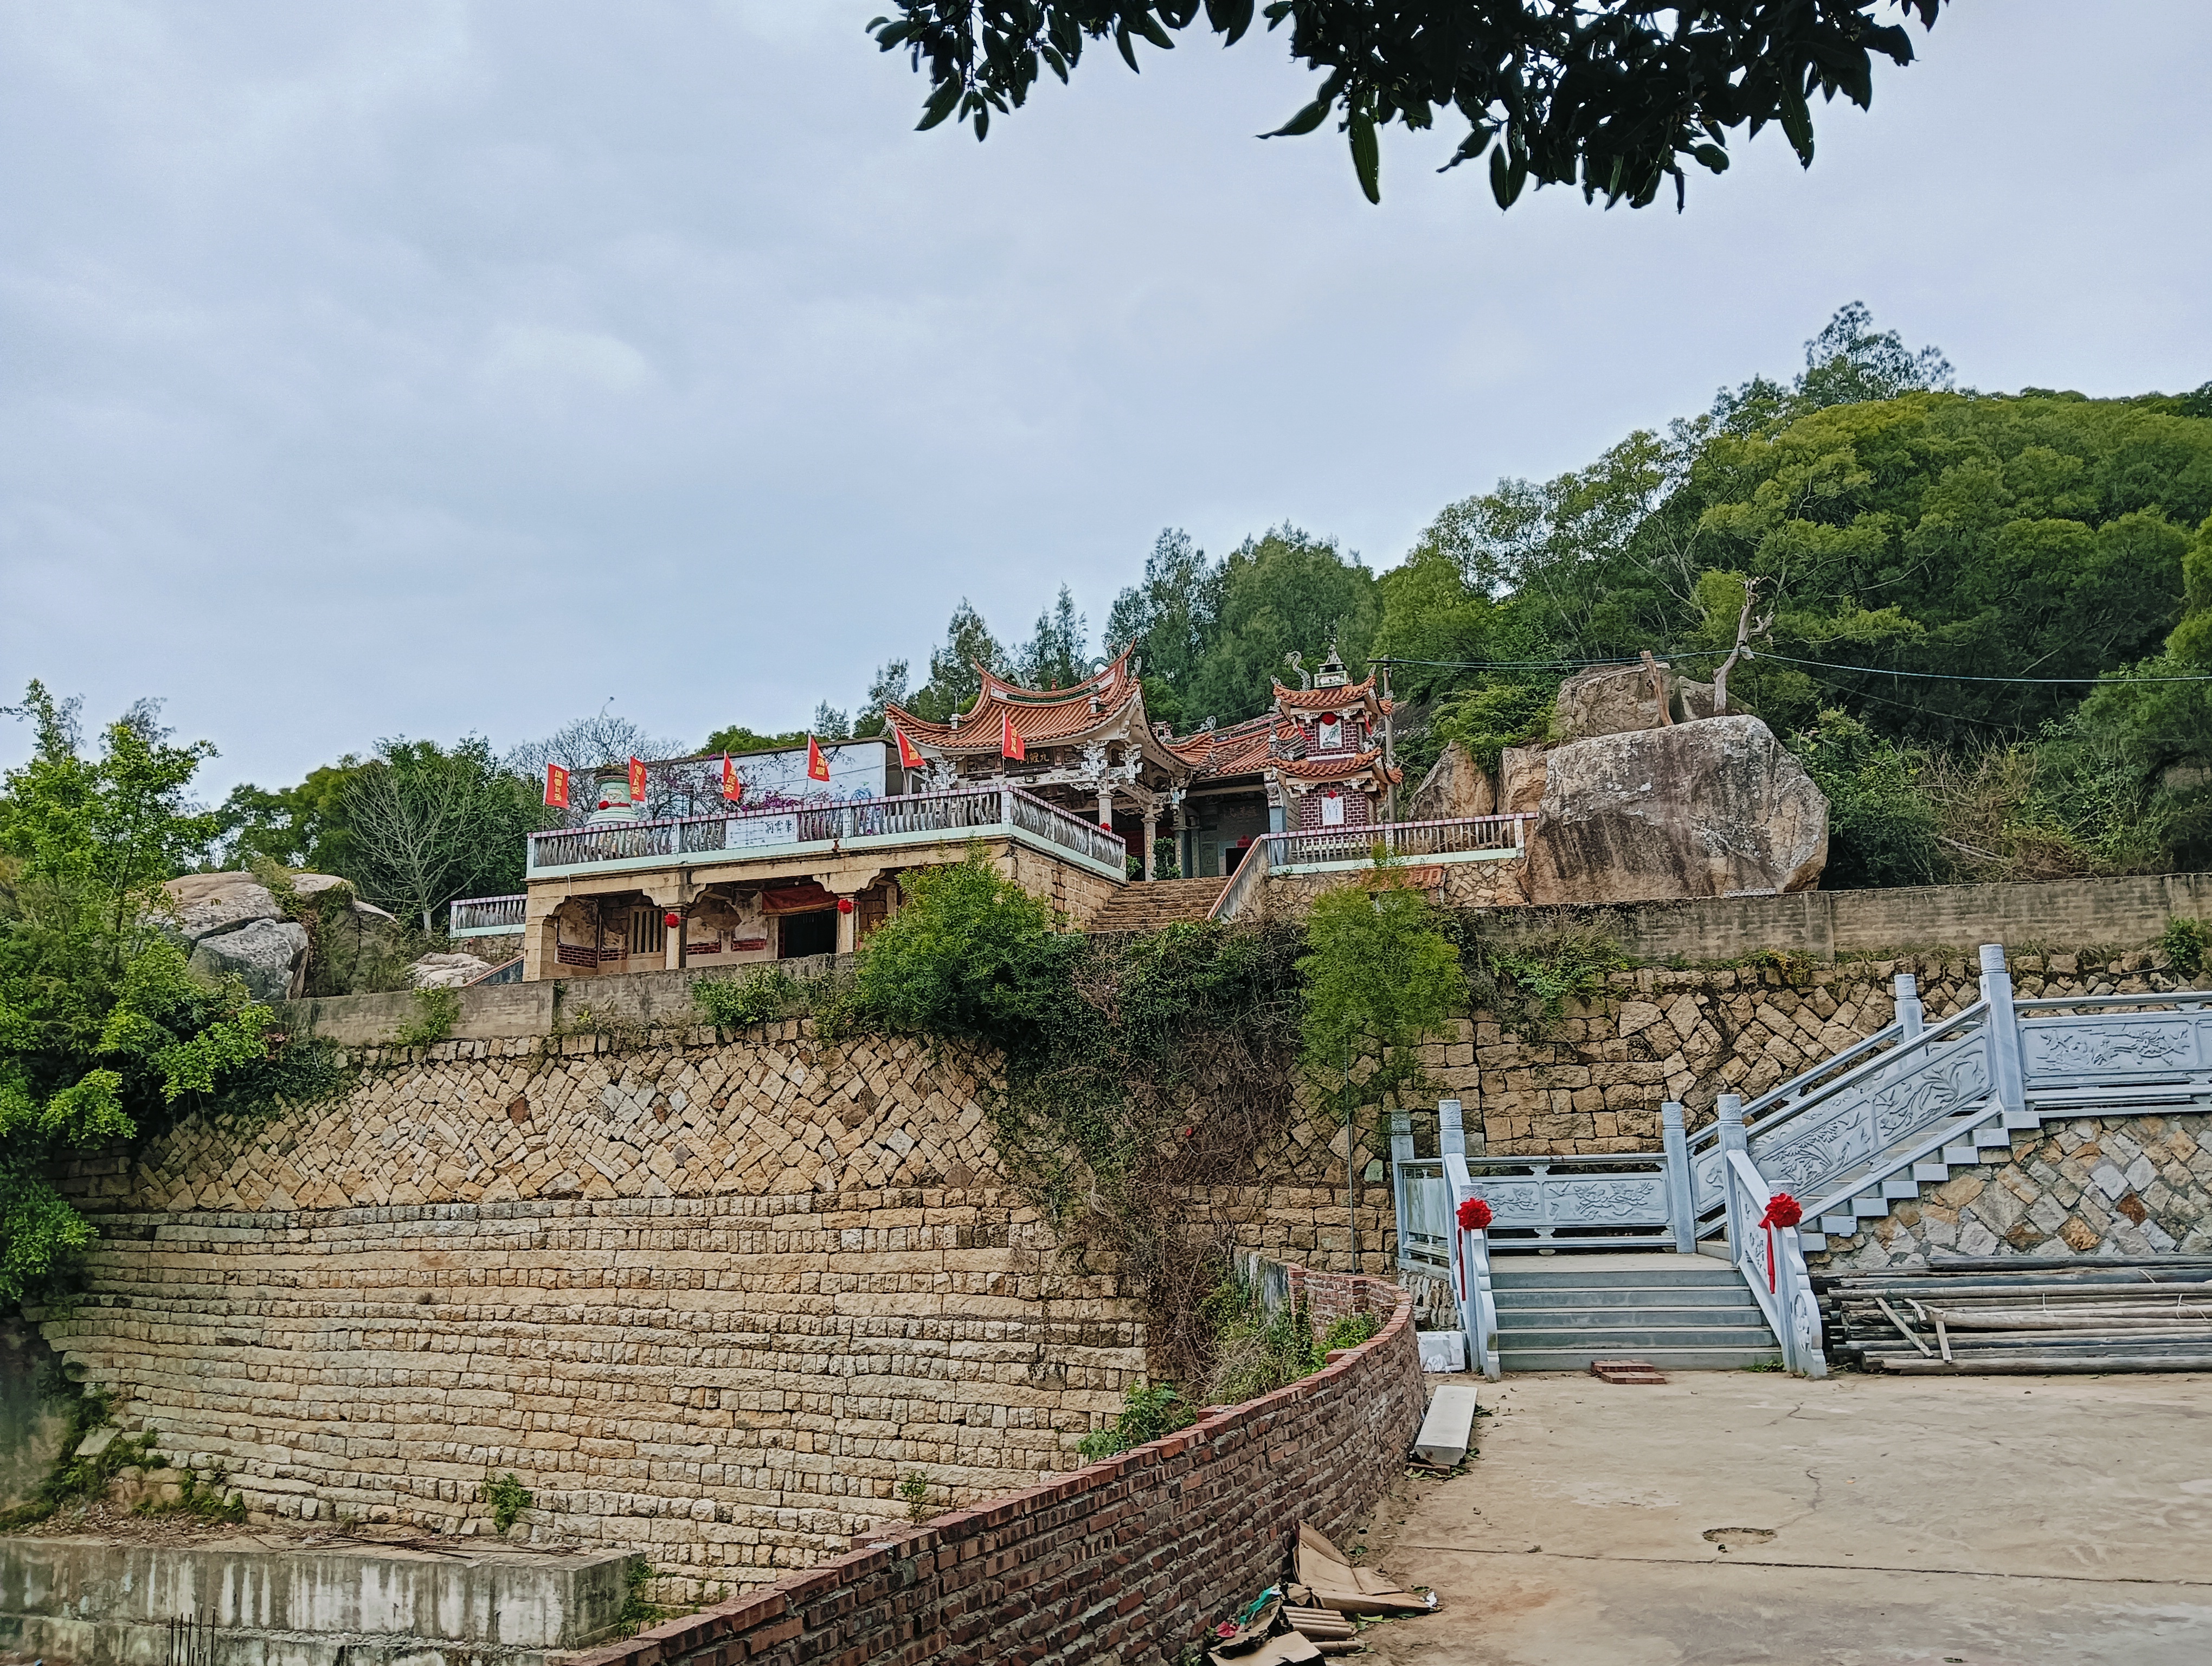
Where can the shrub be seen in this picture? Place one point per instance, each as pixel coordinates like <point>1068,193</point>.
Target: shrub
<point>1255,1353</point>
<point>1350,1331</point>
<point>507,1497</point>
<point>2188,945</point>
<point>914,1493</point>
<point>734,1003</point>
<point>436,1012</point>
<point>1148,1412</point>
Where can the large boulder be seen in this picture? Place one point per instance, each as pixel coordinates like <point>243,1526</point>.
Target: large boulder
<point>1715,808</point>
<point>207,904</point>
<point>270,955</point>
<point>446,971</point>
<point>1607,700</point>
<point>1520,779</point>
<point>1456,787</point>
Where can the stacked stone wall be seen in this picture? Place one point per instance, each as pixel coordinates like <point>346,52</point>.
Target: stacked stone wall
<point>1134,1559</point>
<point>2095,1186</point>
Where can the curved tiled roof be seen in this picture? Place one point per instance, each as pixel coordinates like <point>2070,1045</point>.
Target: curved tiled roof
<point>1342,698</point>
<point>1341,766</point>
<point>1041,715</point>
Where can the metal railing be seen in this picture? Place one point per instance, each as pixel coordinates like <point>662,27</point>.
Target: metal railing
<point>485,916</point>
<point>1403,840</point>
<point>969,811</point>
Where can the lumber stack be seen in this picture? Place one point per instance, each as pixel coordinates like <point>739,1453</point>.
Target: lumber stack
<point>2023,1317</point>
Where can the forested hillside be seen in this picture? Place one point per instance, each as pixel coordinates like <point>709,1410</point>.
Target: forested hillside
<point>1972,615</point>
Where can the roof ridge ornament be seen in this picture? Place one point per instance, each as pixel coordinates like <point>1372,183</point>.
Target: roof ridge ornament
<point>1297,662</point>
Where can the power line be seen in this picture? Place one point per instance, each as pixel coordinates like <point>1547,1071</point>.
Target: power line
<point>1752,658</point>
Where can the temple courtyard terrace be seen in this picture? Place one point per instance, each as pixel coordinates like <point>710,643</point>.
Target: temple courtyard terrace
<point>1738,1517</point>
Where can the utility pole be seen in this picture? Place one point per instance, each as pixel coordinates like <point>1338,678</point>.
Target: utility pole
<point>1389,744</point>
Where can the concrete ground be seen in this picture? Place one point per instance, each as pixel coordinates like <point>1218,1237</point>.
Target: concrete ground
<point>1737,1517</point>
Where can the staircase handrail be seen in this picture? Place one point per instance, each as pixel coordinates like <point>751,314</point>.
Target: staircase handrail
<point>1250,872</point>
<point>2189,1000</point>
<point>1950,1133</point>
<point>1924,1044</point>
<point>1471,1282</point>
<point>1771,1261</point>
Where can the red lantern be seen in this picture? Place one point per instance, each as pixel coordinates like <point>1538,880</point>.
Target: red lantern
<point>844,905</point>
<point>672,920</point>
<point>1474,1215</point>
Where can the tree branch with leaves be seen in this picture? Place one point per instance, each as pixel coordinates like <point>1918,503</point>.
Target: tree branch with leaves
<point>1615,97</point>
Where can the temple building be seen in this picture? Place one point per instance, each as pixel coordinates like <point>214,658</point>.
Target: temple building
<point>1319,759</point>
<point>1070,792</point>
<point>1088,749</point>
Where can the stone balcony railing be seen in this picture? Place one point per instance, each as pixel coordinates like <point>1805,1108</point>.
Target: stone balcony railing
<point>856,824</point>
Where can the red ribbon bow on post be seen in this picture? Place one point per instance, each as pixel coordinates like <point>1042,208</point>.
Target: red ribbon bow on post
<point>1782,1210</point>
<point>1474,1217</point>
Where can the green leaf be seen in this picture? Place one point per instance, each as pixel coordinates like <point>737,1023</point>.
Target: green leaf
<point>1797,122</point>
<point>1712,156</point>
<point>1148,25</point>
<point>1366,155</point>
<point>1306,120</point>
<point>1128,52</point>
<point>1508,175</point>
<point>939,106</point>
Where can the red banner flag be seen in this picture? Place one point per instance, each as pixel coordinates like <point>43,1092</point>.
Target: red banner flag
<point>1011,745</point>
<point>637,781</point>
<point>910,756</point>
<point>557,786</point>
<point>817,767</point>
<point>733,788</point>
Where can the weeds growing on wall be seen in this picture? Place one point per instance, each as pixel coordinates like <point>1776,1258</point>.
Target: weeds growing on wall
<point>436,1012</point>
<point>1526,982</point>
<point>1136,1072</point>
<point>1148,1413</point>
<point>507,1497</point>
<point>1256,1352</point>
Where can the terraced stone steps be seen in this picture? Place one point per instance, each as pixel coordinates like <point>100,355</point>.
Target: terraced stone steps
<point>1147,905</point>
<point>1679,1312</point>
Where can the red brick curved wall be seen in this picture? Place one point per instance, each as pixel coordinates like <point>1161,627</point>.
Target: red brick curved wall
<point>1132,1557</point>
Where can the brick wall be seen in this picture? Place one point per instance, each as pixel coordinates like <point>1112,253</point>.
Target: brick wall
<point>1129,1559</point>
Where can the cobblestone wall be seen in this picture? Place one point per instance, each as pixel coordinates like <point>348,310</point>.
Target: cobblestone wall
<point>2109,1186</point>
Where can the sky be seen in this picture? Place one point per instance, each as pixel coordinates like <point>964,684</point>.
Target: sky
<point>443,366</point>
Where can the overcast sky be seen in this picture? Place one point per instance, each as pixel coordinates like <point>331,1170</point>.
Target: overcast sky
<point>430,367</point>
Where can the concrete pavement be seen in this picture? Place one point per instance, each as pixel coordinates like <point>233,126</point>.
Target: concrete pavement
<point>1735,1516</point>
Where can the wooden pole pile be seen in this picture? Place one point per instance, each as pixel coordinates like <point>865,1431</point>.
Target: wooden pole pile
<point>1984,1317</point>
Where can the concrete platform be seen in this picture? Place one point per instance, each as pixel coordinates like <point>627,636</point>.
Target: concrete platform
<point>96,1601</point>
<point>1987,1521</point>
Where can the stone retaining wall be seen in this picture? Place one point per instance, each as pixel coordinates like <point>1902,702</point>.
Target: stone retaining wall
<point>2095,1186</point>
<point>1130,1560</point>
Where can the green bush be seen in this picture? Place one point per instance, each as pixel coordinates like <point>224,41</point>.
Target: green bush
<point>507,1497</point>
<point>1350,1331</point>
<point>1148,1413</point>
<point>1256,1352</point>
<point>436,1012</point>
<point>735,1003</point>
<point>2188,945</point>
<point>1882,828</point>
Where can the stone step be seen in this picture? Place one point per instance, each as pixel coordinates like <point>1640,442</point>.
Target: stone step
<point>1523,1298</point>
<point>1607,1340</point>
<point>1629,1272</point>
<point>1577,1359</point>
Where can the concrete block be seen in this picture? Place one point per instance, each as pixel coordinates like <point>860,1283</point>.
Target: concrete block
<point>1448,1429</point>
<point>1443,1350</point>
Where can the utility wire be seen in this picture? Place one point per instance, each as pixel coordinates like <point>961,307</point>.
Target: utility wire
<point>1755,655</point>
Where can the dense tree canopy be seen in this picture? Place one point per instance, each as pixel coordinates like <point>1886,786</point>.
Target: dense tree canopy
<point>1615,97</point>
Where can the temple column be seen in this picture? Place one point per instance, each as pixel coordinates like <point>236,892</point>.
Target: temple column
<point>848,921</point>
<point>1106,805</point>
<point>541,937</point>
<point>676,929</point>
<point>1151,835</point>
